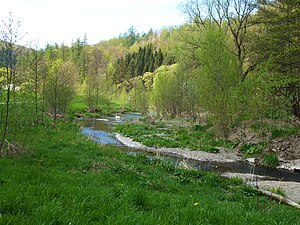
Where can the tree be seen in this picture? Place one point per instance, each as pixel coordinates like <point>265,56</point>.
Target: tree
<point>96,69</point>
<point>232,15</point>
<point>279,49</point>
<point>60,87</point>
<point>9,52</point>
<point>218,78</point>
<point>35,62</point>
<point>80,56</point>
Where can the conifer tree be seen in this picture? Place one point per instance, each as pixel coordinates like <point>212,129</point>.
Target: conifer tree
<point>279,47</point>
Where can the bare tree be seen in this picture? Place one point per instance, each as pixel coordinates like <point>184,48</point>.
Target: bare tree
<point>97,70</point>
<point>35,63</point>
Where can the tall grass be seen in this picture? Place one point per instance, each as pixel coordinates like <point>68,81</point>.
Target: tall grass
<point>64,178</point>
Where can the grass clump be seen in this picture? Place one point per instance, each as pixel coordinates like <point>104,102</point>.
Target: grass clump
<point>278,191</point>
<point>64,178</point>
<point>271,160</point>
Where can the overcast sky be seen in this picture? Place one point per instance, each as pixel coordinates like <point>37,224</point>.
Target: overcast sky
<point>63,21</point>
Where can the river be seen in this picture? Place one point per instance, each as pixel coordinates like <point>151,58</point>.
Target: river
<point>101,130</point>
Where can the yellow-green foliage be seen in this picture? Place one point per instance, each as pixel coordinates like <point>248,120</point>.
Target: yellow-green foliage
<point>175,92</point>
<point>148,80</point>
<point>164,94</point>
<point>2,74</point>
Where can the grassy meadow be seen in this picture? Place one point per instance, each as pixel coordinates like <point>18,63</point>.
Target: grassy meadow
<point>61,177</point>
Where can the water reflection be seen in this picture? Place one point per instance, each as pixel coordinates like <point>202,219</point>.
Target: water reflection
<point>101,129</point>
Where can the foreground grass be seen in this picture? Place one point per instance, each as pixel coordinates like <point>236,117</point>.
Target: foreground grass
<point>66,179</point>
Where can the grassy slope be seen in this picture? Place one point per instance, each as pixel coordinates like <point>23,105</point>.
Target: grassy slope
<point>66,179</point>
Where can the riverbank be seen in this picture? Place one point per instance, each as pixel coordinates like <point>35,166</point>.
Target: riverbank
<point>291,189</point>
<point>221,156</point>
<point>62,177</point>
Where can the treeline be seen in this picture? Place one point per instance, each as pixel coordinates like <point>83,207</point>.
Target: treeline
<point>238,63</point>
<point>37,85</point>
<point>147,59</point>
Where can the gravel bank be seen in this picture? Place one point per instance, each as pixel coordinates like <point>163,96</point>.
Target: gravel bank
<point>222,156</point>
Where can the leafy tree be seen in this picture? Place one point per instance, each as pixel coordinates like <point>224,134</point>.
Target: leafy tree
<point>232,15</point>
<point>278,47</point>
<point>165,95</point>
<point>139,96</point>
<point>9,37</point>
<point>60,87</point>
<point>218,78</point>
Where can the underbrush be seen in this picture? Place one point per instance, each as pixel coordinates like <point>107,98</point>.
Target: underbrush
<point>65,178</point>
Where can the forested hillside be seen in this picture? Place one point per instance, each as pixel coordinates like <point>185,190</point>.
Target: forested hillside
<point>236,62</point>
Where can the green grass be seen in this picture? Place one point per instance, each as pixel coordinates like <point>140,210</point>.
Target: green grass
<point>278,131</point>
<point>284,131</point>
<point>160,135</point>
<point>80,107</point>
<point>250,149</point>
<point>271,160</point>
<point>65,178</point>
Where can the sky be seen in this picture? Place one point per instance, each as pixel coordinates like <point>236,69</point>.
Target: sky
<point>63,21</point>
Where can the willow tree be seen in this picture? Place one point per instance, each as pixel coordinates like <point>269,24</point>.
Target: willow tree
<point>218,77</point>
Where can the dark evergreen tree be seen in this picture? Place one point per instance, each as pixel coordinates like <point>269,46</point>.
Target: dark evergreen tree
<point>147,59</point>
<point>279,46</point>
<point>159,58</point>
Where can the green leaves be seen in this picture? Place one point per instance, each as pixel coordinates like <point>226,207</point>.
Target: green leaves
<point>253,149</point>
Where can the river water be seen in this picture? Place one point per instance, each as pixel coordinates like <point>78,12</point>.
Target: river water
<point>101,130</point>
